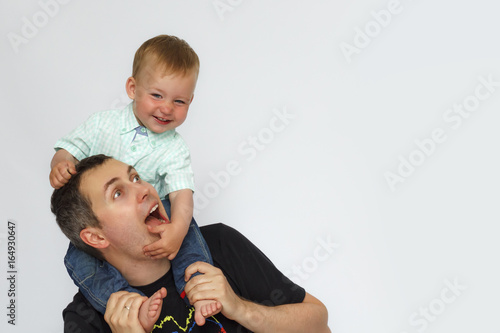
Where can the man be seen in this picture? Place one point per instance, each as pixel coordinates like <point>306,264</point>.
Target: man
<point>108,211</point>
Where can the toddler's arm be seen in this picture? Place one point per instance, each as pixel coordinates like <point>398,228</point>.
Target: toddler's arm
<point>62,167</point>
<point>172,234</point>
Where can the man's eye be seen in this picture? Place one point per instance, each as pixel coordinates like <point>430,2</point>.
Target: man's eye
<point>136,179</point>
<point>117,194</point>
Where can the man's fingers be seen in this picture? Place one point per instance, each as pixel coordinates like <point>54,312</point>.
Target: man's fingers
<point>115,298</point>
<point>198,266</point>
<point>203,291</point>
<point>134,303</point>
<point>122,311</point>
<point>128,301</point>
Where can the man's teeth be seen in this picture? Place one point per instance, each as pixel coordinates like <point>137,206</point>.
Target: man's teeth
<point>153,209</point>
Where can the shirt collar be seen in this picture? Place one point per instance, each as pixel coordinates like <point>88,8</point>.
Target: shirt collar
<point>129,123</point>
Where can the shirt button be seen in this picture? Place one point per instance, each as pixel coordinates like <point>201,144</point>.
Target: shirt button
<point>143,129</point>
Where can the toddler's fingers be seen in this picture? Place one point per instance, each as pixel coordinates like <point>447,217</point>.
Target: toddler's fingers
<point>65,176</point>
<point>157,229</point>
<point>59,180</point>
<point>155,251</point>
<point>173,255</point>
<point>71,168</point>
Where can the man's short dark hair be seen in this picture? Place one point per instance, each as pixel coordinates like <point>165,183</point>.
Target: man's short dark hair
<point>73,210</point>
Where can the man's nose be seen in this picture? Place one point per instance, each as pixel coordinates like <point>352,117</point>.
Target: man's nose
<point>142,192</point>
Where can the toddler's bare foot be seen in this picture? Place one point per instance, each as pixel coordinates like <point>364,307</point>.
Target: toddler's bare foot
<point>150,310</point>
<point>204,309</point>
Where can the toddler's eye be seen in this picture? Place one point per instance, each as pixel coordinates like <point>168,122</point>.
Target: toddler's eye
<point>136,179</point>
<point>156,96</point>
<point>178,101</point>
<point>117,194</point>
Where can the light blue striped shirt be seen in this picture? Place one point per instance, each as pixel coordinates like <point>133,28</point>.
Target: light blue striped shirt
<point>163,160</point>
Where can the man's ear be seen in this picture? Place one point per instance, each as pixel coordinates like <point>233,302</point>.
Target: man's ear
<point>94,238</point>
<point>130,86</point>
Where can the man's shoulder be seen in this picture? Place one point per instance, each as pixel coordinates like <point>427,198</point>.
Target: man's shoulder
<point>248,270</point>
<point>80,316</point>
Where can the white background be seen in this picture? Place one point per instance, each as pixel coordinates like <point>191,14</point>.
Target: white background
<point>318,178</point>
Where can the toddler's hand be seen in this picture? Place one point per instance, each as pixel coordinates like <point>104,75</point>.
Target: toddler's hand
<point>168,245</point>
<point>61,173</point>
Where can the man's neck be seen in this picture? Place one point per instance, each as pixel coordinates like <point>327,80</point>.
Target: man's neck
<point>144,272</point>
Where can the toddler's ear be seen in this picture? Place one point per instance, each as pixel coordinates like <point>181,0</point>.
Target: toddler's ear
<point>94,238</point>
<point>130,86</point>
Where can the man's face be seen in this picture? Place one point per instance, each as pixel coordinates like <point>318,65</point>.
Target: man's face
<point>124,205</point>
<point>161,102</point>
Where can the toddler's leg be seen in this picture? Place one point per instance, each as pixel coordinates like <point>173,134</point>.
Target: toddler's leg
<point>193,249</point>
<point>96,279</point>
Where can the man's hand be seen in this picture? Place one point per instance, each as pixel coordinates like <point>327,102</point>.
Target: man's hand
<point>309,316</point>
<point>212,285</point>
<point>168,245</point>
<point>122,312</point>
<point>61,173</point>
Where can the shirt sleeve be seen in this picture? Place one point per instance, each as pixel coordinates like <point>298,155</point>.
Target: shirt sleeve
<point>176,170</point>
<point>80,316</point>
<point>249,271</point>
<point>79,141</point>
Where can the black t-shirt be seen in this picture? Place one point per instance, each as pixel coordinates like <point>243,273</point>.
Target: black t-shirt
<point>249,272</point>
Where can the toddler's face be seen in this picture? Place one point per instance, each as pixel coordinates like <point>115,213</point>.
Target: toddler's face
<point>161,102</point>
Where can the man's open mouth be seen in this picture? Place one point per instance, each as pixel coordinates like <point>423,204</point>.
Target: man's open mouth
<point>155,217</point>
